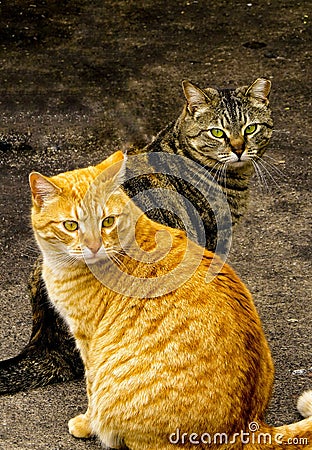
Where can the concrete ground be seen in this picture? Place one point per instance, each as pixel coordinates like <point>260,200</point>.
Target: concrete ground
<point>79,80</point>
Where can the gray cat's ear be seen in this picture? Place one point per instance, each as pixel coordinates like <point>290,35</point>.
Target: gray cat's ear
<point>260,90</point>
<point>195,97</point>
<point>42,188</point>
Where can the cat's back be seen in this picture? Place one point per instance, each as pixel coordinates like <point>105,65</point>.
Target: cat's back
<point>185,344</point>
<point>201,301</point>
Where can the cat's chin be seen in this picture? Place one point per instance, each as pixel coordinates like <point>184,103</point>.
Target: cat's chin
<point>94,260</point>
<point>241,164</point>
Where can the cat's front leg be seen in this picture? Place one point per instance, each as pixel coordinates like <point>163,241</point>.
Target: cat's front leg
<point>79,426</point>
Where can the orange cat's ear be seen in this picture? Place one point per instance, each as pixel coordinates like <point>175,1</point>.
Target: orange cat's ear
<point>112,159</point>
<point>260,90</point>
<point>42,188</point>
<point>113,168</point>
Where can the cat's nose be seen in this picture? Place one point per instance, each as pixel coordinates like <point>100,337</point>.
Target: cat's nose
<point>238,146</point>
<point>238,151</point>
<point>94,246</point>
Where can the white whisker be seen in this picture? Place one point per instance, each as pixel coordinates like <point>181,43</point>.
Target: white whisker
<point>224,177</point>
<point>114,253</point>
<point>281,131</point>
<point>220,175</point>
<point>206,169</point>
<point>62,260</point>
<point>262,164</point>
<point>260,176</point>
<point>273,166</point>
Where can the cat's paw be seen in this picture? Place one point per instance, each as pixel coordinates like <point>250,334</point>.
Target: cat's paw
<point>80,427</point>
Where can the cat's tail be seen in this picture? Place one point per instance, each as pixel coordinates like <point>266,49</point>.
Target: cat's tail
<point>294,436</point>
<point>50,356</point>
<point>258,436</point>
<point>35,367</point>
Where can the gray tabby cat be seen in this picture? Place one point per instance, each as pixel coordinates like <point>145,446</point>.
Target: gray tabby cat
<point>225,132</point>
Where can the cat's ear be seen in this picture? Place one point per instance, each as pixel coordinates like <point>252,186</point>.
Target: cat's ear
<point>116,157</point>
<point>195,97</point>
<point>113,169</point>
<point>42,188</point>
<point>260,90</point>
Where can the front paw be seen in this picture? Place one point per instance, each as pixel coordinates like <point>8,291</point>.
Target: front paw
<point>79,426</point>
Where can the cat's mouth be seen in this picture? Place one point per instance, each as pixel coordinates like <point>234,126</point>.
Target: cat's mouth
<point>240,163</point>
<point>91,260</point>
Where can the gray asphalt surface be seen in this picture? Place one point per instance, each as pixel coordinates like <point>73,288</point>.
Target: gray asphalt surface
<point>79,80</point>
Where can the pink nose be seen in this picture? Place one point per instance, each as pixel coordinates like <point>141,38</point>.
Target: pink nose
<point>94,246</point>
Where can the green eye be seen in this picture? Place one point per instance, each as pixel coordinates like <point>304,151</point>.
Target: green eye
<point>217,133</point>
<point>250,129</point>
<point>70,225</point>
<point>108,222</point>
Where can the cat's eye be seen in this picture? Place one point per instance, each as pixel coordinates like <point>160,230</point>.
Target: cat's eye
<point>70,225</point>
<point>217,133</point>
<point>108,222</point>
<point>251,128</point>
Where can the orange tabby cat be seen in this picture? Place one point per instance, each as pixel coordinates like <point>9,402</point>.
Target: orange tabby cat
<point>165,367</point>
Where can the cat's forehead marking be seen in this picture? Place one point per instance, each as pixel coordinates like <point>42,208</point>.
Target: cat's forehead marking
<point>232,107</point>
<point>89,208</point>
<point>81,213</point>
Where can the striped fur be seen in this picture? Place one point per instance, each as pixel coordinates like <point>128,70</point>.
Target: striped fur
<point>194,359</point>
